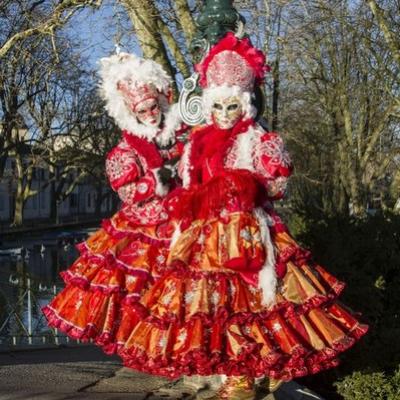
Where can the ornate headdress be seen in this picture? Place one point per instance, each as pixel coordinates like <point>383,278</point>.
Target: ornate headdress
<point>128,76</point>
<point>232,62</point>
<point>137,92</point>
<point>232,67</point>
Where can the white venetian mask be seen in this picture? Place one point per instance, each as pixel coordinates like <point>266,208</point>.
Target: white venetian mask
<point>148,112</point>
<point>227,112</point>
<point>142,101</point>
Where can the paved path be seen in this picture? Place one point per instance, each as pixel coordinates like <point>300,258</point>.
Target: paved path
<point>85,373</point>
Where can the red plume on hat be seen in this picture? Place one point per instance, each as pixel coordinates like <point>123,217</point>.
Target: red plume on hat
<point>233,62</point>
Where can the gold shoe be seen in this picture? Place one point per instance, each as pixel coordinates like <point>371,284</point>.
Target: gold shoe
<point>236,388</point>
<point>273,384</point>
<point>239,394</point>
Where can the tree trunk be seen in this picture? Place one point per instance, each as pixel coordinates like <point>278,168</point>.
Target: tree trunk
<point>276,81</point>
<point>275,95</point>
<point>186,20</point>
<point>392,41</point>
<point>180,61</point>
<point>18,218</point>
<point>144,16</point>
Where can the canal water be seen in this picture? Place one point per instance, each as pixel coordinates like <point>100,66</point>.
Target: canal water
<point>29,278</point>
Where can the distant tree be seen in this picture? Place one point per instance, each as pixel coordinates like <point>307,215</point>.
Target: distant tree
<point>387,20</point>
<point>333,90</point>
<point>164,30</point>
<point>34,19</point>
<point>45,92</point>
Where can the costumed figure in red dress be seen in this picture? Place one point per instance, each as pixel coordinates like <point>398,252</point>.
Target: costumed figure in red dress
<point>239,296</point>
<point>130,250</point>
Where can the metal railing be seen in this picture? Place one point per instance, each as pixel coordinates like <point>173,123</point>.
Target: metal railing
<point>22,322</point>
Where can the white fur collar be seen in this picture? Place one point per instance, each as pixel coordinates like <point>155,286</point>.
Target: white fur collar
<point>172,122</point>
<point>164,136</point>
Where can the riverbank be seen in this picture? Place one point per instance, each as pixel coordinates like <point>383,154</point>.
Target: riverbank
<point>9,234</point>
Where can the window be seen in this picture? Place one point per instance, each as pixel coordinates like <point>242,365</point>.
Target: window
<point>34,202</point>
<point>73,200</point>
<point>28,204</point>
<point>43,199</point>
<point>2,202</point>
<point>89,200</point>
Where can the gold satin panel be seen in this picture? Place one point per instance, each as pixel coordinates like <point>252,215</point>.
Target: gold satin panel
<point>211,245</point>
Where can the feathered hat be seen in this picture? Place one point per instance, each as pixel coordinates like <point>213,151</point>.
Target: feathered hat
<point>125,76</point>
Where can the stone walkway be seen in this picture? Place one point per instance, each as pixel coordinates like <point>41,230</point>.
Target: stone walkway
<point>85,373</point>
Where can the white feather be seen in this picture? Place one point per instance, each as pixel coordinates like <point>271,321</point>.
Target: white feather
<point>243,149</point>
<point>175,236</point>
<point>185,166</point>
<point>267,280</point>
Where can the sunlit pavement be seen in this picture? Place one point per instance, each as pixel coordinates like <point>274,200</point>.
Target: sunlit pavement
<point>86,373</point>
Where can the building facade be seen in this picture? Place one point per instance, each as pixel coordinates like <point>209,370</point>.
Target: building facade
<point>82,201</point>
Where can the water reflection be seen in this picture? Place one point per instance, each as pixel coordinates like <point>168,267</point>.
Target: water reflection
<point>29,277</point>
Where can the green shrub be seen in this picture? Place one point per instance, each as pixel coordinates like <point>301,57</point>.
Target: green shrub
<point>364,386</point>
<point>366,255</point>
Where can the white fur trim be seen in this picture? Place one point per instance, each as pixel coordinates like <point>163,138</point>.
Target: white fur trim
<point>210,95</point>
<point>128,66</point>
<point>185,165</point>
<point>160,189</point>
<point>243,151</point>
<point>172,122</point>
<point>267,280</point>
<point>175,236</point>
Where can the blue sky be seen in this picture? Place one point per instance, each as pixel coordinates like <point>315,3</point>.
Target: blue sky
<point>99,30</point>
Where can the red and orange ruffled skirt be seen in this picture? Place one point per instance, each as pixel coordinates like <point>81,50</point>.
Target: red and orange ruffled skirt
<point>204,317</point>
<point>202,314</point>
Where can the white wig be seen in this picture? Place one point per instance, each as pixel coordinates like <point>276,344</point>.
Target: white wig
<point>212,94</point>
<point>126,66</point>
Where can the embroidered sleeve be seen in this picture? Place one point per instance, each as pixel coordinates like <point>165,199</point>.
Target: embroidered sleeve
<point>125,172</point>
<point>273,164</point>
<point>141,190</point>
<point>122,166</point>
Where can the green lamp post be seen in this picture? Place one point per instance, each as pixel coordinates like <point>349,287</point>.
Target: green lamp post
<point>216,18</point>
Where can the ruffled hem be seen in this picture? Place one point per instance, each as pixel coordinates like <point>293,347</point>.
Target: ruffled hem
<point>89,333</point>
<point>136,235</point>
<point>289,310</point>
<point>84,283</point>
<point>86,270</point>
<point>284,308</point>
<point>276,365</point>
